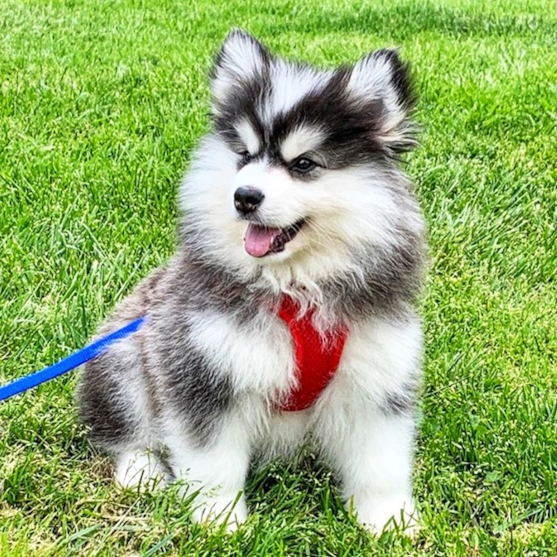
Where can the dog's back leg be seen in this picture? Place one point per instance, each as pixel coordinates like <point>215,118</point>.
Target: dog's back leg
<point>116,404</point>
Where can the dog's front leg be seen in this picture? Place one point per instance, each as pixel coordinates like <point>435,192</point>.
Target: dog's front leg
<point>214,470</point>
<point>373,454</point>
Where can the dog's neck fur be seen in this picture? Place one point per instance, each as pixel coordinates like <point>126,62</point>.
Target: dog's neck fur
<point>359,292</point>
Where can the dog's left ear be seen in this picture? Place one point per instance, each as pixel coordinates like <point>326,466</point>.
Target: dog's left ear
<point>240,59</point>
<point>382,76</point>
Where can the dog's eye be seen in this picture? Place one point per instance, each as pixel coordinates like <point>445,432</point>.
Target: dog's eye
<point>303,165</point>
<point>246,157</point>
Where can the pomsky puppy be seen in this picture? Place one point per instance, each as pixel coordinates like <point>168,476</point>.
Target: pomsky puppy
<point>286,314</point>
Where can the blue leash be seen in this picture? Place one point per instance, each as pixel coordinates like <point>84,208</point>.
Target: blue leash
<point>71,362</point>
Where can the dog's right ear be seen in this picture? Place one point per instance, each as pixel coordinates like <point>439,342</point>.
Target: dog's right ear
<point>241,58</point>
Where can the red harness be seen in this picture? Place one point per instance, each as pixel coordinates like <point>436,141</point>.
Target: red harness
<point>316,362</point>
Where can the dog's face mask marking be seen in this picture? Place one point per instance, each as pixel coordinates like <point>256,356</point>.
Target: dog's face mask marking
<point>308,152</point>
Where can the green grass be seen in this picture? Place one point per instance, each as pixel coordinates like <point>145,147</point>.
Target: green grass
<point>101,102</point>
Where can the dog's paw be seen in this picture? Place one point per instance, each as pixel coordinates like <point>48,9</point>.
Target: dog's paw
<point>141,470</point>
<point>378,514</point>
<point>220,511</point>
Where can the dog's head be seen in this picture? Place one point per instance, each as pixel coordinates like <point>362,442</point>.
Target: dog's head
<point>300,170</point>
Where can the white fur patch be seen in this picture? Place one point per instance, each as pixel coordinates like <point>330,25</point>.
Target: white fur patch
<point>301,140</point>
<point>248,136</point>
<point>257,359</point>
<point>290,85</point>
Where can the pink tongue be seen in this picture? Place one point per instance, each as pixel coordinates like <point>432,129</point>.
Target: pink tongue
<point>259,239</point>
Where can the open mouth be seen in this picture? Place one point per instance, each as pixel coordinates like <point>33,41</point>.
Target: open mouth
<point>260,241</point>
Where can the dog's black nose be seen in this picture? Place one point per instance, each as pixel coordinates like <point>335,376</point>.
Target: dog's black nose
<point>247,199</point>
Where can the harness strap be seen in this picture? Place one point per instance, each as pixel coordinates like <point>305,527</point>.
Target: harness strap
<point>316,360</point>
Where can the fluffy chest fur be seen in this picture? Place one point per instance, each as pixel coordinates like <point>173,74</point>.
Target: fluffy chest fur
<point>256,356</point>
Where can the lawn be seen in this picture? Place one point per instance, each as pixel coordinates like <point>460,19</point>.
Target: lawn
<point>101,102</point>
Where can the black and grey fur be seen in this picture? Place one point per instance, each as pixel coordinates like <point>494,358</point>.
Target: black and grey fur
<point>202,378</point>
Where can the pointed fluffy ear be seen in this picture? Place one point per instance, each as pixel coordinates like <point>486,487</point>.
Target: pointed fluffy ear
<point>382,76</point>
<point>241,58</point>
